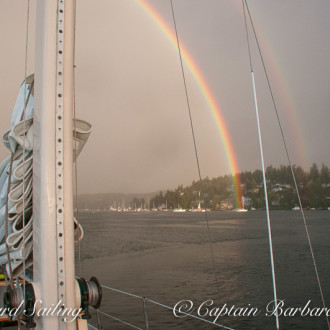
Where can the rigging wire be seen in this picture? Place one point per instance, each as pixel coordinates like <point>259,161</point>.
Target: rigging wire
<point>263,172</point>
<point>75,141</point>
<point>119,320</point>
<point>91,326</point>
<point>195,145</point>
<point>165,306</point>
<point>289,160</point>
<point>24,141</point>
<point>75,130</point>
<point>145,312</point>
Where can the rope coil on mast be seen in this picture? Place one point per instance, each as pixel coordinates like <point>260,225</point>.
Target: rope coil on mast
<point>18,183</point>
<point>19,141</point>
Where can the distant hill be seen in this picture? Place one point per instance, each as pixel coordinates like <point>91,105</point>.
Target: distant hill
<point>218,193</point>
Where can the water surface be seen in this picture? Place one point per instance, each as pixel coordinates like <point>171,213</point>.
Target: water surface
<point>167,257</point>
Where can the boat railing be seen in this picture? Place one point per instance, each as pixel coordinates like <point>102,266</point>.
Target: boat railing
<point>144,301</point>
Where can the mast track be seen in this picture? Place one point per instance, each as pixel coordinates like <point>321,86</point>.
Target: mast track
<point>59,169</point>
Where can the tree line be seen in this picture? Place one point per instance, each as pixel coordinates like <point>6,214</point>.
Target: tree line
<point>219,193</point>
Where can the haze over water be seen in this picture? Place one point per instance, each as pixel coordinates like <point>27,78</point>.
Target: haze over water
<point>129,86</point>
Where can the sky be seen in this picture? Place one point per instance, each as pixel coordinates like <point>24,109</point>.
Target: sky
<point>129,86</point>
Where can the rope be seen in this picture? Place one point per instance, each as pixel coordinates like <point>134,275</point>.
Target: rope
<point>195,148</point>
<point>99,326</point>
<point>144,304</point>
<point>289,161</point>
<point>75,131</point>
<point>23,158</point>
<point>120,291</point>
<point>165,306</point>
<point>24,140</point>
<point>186,90</point>
<point>263,172</point>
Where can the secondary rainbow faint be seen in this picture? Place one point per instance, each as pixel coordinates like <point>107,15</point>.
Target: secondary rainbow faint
<point>275,71</point>
<point>207,93</point>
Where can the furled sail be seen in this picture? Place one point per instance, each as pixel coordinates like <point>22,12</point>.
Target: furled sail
<point>16,202</point>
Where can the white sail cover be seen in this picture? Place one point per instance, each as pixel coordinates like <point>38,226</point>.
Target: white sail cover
<point>16,174</point>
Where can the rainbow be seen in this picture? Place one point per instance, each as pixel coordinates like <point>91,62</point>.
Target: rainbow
<point>207,93</point>
<point>289,107</point>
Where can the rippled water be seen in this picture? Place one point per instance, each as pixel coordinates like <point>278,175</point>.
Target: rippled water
<point>166,257</point>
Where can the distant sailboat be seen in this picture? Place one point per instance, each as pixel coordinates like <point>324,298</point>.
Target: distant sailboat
<point>242,209</point>
<point>166,209</point>
<point>199,209</point>
<point>179,209</point>
<point>154,209</point>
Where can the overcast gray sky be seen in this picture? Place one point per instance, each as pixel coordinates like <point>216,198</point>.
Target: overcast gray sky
<point>129,86</point>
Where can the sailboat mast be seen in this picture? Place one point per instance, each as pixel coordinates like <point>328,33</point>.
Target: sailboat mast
<point>53,236</point>
<point>68,83</point>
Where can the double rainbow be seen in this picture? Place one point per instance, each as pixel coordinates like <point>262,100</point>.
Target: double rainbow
<point>207,93</point>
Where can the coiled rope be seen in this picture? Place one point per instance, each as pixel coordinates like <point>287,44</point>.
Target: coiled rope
<point>16,185</point>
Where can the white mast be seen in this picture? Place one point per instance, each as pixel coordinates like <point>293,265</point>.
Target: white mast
<point>53,238</point>
<point>54,288</point>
